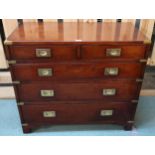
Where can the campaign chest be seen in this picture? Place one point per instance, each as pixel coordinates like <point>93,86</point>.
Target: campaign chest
<point>77,73</point>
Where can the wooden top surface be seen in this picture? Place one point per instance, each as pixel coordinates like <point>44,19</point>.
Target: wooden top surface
<point>76,32</point>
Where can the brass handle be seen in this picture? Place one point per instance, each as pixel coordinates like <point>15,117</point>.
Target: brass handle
<point>49,114</point>
<point>47,93</point>
<point>45,72</point>
<point>106,112</point>
<point>43,52</point>
<point>109,92</point>
<point>111,71</point>
<point>113,52</point>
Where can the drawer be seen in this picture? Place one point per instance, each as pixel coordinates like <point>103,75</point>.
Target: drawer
<point>108,90</point>
<point>75,113</point>
<point>113,52</point>
<point>51,71</point>
<point>43,52</point>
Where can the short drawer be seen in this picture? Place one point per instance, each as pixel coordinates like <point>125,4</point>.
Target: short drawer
<point>37,52</point>
<point>51,71</point>
<point>113,52</point>
<point>108,90</point>
<point>75,113</point>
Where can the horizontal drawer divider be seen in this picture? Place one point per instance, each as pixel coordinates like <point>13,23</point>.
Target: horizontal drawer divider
<point>80,80</point>
<point>78,61</point>
<point>75,102</point>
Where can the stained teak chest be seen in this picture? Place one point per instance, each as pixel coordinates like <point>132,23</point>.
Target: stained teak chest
<point>77,73</point>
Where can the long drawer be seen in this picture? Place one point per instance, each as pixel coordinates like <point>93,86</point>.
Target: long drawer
<point>75,113</point>
<point>49,71</point>
<point>110,90</point>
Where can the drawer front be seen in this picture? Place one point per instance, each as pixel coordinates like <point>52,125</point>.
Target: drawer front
<point>110,90</point>
<point>43,52</point>
<point>75,113</point>
<point>113,52</point>
<point>49,71</point>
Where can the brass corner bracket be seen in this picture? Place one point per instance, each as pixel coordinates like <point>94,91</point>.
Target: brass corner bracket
<point>11,62</point>
<point>8,42</point>
<point>139,80</point>
<point>143,60</point>
<point>131,122</point>
<point>16,82</point>
<point>147,41</point>
<point>134,101</point>
<point>20,103</point>
<point>25,124</point>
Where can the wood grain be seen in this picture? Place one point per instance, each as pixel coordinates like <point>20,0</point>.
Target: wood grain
<point>78,60</point>
<point>79,70</point>
<point>30,32</point>
<point>72,113</point>
<point>74,90</point>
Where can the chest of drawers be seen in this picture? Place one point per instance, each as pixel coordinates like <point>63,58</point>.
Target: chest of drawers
<point>68,73</point>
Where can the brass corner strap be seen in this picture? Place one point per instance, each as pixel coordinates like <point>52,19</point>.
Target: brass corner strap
<point>15,82</point>
<point>143,60</point>
<point>131,122</point>
<point>25,124</point>
<point>139,80</point>
<point>134,101</point>
<point>147,41</point>
<point>20,103</point>
<point>11,62</point>
<point>8,42</point>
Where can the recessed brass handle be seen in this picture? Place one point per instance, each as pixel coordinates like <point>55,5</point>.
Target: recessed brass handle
<point>43,52</point>
<point>106,113</point>
<point>109,92</point>
<point>49,114</point>
<point>45,72</point>
<point>47,93</point>
<point>111,71</point>
<point>113,52</point>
